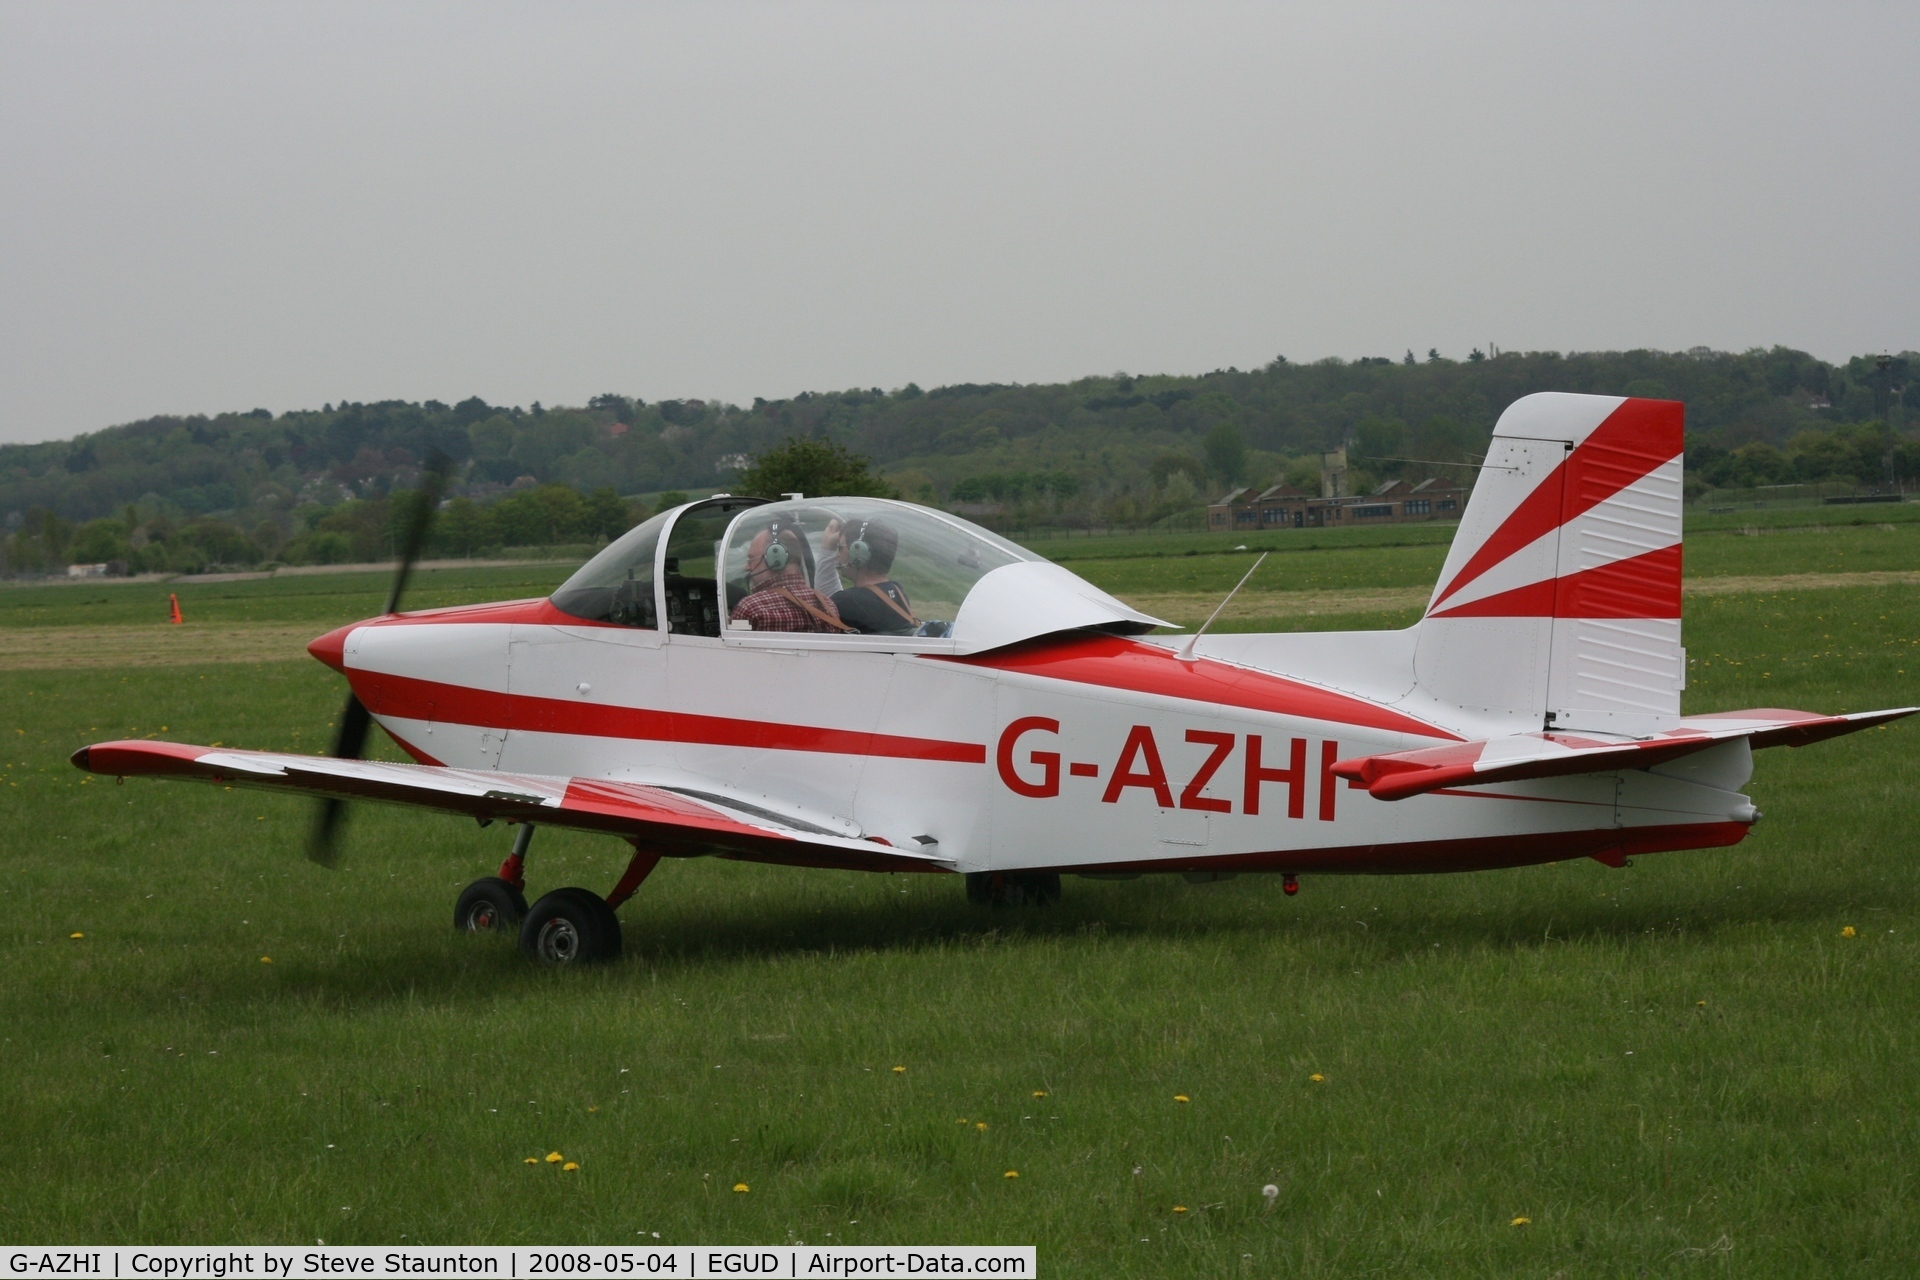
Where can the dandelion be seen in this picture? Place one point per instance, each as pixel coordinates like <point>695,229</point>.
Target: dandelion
<point>1700,1004</point>
<point>740,1187</point>
<point>1521,1222</point>
<point>899,1071</point>
<point>963,1119</point>
<point>591,1110</point>
<point>1317,1078</point>
<point>1011,1173</point>
<point>1847,932</point>
<point>1179,1208</point>
<point>531,1160</point>
<point>1181,1097</point>
<point>76,935</point>
<point>570,1166</point>
<point>1039,1093</point>
<point>554,1157</point>
<point>1271,1193</point>
<point>981,1125</point>
<point>266,959</point>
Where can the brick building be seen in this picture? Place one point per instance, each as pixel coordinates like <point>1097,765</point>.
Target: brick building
<point>1285,507</point>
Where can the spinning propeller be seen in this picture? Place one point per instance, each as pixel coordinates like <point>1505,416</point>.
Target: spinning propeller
<point>355,720</point>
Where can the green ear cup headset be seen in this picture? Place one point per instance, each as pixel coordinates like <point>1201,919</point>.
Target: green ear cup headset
<point>858,552</point>
<point>775,557</point>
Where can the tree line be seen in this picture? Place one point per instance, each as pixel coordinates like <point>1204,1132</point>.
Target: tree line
<point>1113,449</point>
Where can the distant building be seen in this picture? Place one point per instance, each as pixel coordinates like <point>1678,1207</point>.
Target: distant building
<point>86,571</point>
<point>1285,507</point>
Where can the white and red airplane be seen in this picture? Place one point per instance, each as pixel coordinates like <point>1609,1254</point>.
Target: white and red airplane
<point>998,717</point>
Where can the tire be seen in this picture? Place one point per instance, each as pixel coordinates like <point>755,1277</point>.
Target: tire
<point>569,927</point>
<point>1012,889</point>
<point>489,905</point>
<point>1043,888</point>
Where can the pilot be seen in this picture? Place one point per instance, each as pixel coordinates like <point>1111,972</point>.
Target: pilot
<point>854,576</point>
<point>780,599</point>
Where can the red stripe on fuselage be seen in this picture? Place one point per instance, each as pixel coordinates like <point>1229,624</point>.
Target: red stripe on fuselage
<point>408,698</point>
<point>1462,853</point>
<point>1114,662</point>
<point>1635,439</point>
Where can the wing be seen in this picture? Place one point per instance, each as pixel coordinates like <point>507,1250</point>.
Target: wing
<point>680,821</point>
<point>1548,755</point>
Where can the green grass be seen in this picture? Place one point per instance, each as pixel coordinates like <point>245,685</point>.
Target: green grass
<point>1214,567</point>
<point>1527,1043</point>
<point>1793,515</point>
<point>328,599</point>
<point>1131,546</point>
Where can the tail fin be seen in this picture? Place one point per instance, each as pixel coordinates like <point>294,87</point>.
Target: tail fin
<point>1559,606</point>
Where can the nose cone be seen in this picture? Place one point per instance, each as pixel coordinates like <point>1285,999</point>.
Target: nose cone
<point>331,648</point>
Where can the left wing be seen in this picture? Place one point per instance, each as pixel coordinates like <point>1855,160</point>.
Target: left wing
<point>682,821</point>
<point>1400,774</point>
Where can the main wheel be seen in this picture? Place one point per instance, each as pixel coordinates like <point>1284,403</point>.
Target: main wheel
<point>571,926</point>
<point>489,905</point>
<point>1012,889</point>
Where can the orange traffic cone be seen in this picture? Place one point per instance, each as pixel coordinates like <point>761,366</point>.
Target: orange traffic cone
<point>173,608</point>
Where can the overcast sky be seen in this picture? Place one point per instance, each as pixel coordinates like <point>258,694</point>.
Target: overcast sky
<point>209,207</point>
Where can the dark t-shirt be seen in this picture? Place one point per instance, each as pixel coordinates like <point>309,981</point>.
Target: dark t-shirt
<point>867,613</point>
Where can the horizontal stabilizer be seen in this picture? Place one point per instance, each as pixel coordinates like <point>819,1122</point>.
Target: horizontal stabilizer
<point>1551,755</point>
<point>682,822</point>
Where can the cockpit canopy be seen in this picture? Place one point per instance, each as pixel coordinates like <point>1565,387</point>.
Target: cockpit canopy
<point>861,572</point>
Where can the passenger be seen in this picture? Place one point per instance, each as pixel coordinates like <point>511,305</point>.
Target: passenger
<point>863,551</point>
<point>780,599</point>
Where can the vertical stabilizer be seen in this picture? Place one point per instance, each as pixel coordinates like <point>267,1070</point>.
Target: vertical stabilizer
<point>1559,605</point>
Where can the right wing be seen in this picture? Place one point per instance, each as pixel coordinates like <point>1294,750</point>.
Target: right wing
<point>680,821</point>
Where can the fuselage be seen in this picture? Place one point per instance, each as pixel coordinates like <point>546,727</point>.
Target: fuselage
<point>1073,752</point>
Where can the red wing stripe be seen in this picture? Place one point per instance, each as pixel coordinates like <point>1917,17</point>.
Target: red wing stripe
<point>1114,662</point>
<point>410,699</point>
<point>650,804</point>
<point>1642,586</point>
<point>1635,439</point>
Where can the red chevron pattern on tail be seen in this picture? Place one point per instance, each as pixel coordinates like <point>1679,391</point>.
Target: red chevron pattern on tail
<point>1643,586</point>
<point>1633,441</point>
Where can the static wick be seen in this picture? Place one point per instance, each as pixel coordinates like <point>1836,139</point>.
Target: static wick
<point>1186,654</point>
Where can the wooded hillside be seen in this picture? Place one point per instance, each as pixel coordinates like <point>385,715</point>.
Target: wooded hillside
<point>1117,449</point>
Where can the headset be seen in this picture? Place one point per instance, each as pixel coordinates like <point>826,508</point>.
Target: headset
<point>775,557</point>
<point>858,552</point>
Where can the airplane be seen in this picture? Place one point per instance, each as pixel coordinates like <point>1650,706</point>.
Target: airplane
<point>959,705</point>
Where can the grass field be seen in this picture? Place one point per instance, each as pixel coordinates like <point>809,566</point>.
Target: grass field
<point>1682,1068</point>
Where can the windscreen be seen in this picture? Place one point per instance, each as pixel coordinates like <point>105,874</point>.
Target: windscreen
<point>617,585</point>
<point>878,567</point>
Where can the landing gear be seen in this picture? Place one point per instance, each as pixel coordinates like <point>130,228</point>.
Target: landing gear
<point>565,927</point>
<point>571,926</point>
<point>1290,885</point>
<point>489,905</point>
<point>1012,889</point>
